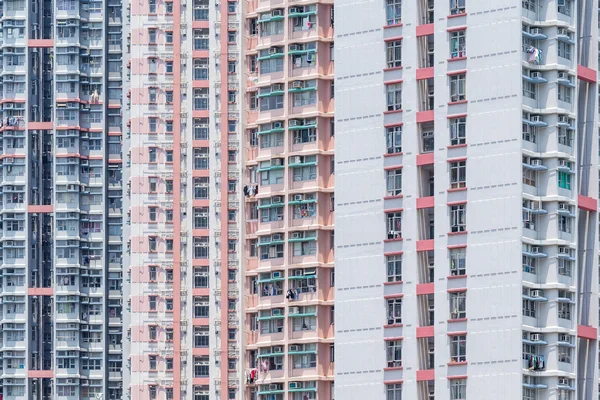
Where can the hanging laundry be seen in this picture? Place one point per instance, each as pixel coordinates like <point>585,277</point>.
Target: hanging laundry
<point>535,55</point>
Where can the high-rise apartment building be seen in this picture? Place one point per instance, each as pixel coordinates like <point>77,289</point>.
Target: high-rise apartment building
<point>289,178</point>
<point>183,198</point>
<point>466,190</point>
<point>61,245</point>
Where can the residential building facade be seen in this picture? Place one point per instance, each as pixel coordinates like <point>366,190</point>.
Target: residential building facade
<point>472,174</point>
<point>183,199</point>
<point>289,201</point>
<point>61,245</point>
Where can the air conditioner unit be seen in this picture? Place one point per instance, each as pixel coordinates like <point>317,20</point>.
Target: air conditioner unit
<point>296,160</point>
<point>265,16</point>
<point>273,386</point>
<point>563,31</point>
<point>564,119</point>
<point>277,161</point>
<point>277,349</point>
<point>70,380</point>
<point>297,84</point>
<point>276,311</point>
<point>297,235</point>
<point>278,87</point>
<point>295,122</point>
<point>277,125</point>
<point>563,381</point>
<point>295,347</point>
<point>295,47</point>
<point>563,75</point>
<point>294,385</point>
<point>9,243</point>
<point>563,250</point>
<point>536,293</point>
<point>536,337</point>
<point>277,13</point>
<point>273,50</point>
<point>296,10</point>
<point>536,118</point>
<point>535,74</point>
<point>278,236</point>
<point>563,207</point>
<point>294,310</point>
<point>277,199</point>
<point>275,275</point>
<point>535,162</point>
<point>535,249</point>
<point>535,31</point>
<point>563,337</point>
<point>563,163</point>
<point>298,197</point>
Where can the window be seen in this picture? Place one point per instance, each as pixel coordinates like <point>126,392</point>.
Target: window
<point>200,128</point>
<point>152,36</point>
<point>458,131</point>
<point>529,89</point>
<point>305,98</point>
<point>564,7</point>
<point>152,303</point>
<point>393,12</point>
<point>394,353</point>
<point>529,133</point>
<point>565,136</point>
<point>458,389</point>
<point>529,176</point>
<point>564,310</point>
<point>394,182</point>
<point>152,154</point>
<point>458,262</point>
<point>458,44</point>
<point>458,348</point>
<point>564,180</point>
<point>564,93</point>
<point>564,50</point>
<point>565,267</point>
<point>394,311</point>
<point>564,223</point>
<point>201,158</point>
<point>394,268</point>
<point>394,97</point>
<point>458,305</point>
<point>529,264</point>
<point>564,354</point>
<point>457,7</point>
<point>393,137</point>
<point>458,174</point>
<point>458,218</point>
<point>200,277</point>
<point>394,225</point>
<point>152,243</point>
<point>152,362</point>
<point>201,366</point>
<point>458,87</point>
<point>529,308</point>
<point>394,391</point>
<point>152,273</point>
<point>394,52</point>
<point>169,67</point>
<point>529,220</point>
<point>153,124</point>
